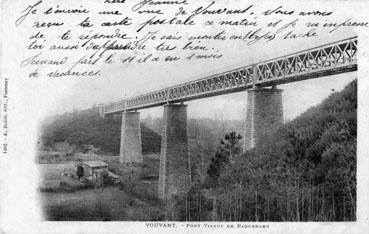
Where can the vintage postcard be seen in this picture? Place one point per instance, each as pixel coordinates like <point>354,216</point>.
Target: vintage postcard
<point>184,116</point>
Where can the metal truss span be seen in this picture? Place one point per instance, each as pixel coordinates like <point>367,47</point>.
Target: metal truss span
<point>329,59</point>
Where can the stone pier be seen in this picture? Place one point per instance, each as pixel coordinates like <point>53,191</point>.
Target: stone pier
<point>264,112</point>
<point>174,174</point>
<point>130,141</point>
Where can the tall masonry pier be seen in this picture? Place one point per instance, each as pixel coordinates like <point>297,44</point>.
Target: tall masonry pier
<point>264,112</point>
<point>130,141</point>
<point>174,175</point>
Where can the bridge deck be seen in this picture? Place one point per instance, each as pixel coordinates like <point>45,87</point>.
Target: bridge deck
<point>329,59</point>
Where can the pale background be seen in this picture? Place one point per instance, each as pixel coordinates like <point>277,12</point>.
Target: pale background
<point>33,100</point>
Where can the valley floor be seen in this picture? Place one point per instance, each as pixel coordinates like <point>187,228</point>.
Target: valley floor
<point>110,203</point>
<point>101,204</point>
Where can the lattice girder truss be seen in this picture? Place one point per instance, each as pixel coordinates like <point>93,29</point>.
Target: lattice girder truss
<point>325,60</point>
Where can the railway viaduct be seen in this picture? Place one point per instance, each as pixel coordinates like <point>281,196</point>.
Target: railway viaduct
<point>264,105</point>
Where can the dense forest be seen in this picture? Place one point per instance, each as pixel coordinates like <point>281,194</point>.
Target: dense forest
<point>303,171</point>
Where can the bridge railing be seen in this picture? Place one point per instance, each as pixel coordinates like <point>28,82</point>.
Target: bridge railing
<point>329,59</point>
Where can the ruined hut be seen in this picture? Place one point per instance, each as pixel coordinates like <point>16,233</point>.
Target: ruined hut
<point>93,170</point>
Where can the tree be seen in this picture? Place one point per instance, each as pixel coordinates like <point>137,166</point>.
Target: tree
<point>193,205</point>
<point>228,149</point>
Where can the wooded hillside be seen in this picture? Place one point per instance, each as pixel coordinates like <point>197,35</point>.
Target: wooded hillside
<point>304,171</point>
<point>86,127</point>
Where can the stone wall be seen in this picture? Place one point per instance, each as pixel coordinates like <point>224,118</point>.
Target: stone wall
<point>264,113</point>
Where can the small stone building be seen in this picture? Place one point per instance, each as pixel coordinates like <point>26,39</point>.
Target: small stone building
<point>94,169</point>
